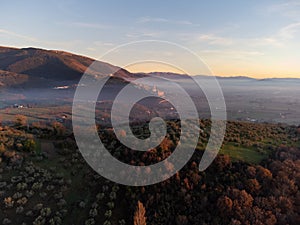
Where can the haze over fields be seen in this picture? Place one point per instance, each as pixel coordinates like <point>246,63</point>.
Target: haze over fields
<point>40,77</point>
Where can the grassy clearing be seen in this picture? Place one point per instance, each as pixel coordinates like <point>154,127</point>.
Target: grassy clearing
<point>249,155</point>
<point>49,113</point>
<point>38,147</point>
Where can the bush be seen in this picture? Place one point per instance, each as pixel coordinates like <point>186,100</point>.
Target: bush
<point>30,145</point>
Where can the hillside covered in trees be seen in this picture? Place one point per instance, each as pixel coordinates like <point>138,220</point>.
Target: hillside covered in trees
<point>254,180</point>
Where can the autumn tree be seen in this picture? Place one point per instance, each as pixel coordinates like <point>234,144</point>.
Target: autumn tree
<point>224,204</point>
<point>252,186</point>
<point>222,161</point>
<point>2,148</point>
<point>139,215</point>
<point>59,128</point>
<point>20,120</point>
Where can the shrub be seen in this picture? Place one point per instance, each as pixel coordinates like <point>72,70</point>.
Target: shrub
<point>30,145</point>
<point>113,195</point>
<point>122,222</point>
<point>107,222</point>
<point>93,213</point>
<point>110,205</point>
<point>22,201</point>
<point>6,221</point>
<point>19,210</point>
<point>45,212</point>
<point>9,202</point>
<point>108,214</point>
<point>21,186</point>
<point>90,221</point>
<point>100,196</point>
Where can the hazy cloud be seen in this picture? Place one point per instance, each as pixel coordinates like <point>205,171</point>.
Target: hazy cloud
<point>10,33</point>
<point>290,31</point>
<point>215,40</point>
<point>290,8</point>
<point>90,25</point>
<point>144,34</point>
<point>163,20</point>
<point>233,52</point>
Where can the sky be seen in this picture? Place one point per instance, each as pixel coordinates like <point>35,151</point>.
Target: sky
<point>257,38</point>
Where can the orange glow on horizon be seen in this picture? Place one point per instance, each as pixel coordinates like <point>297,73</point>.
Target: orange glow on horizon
<point>224,71</point>
<point>147,67</point>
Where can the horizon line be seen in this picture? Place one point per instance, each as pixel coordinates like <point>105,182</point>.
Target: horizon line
<point>175,73</point>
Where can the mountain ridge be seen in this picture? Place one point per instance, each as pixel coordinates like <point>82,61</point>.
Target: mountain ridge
<point>40,65</point>
<point>34,67</point>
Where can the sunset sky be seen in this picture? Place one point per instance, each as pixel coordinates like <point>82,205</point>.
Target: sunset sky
<point>257,38</point>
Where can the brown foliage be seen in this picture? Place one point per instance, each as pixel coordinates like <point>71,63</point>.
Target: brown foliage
<point>224,204</point>
<point>139,215</point>
<point>20,120</point>
<point>252,186</point>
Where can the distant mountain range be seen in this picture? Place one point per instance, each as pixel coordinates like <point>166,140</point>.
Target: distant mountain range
<point>32,67</point>
<point>38,77</point>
